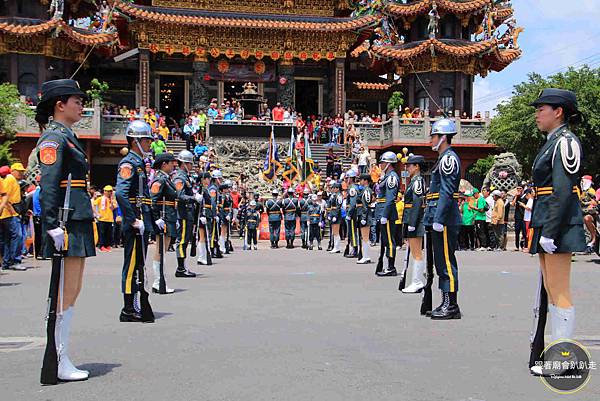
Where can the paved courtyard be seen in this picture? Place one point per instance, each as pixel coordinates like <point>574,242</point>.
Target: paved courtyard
<point>293,325</point>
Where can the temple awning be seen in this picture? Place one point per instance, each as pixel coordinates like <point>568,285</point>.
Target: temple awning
<point>206,18</point>
<point>372,86</point>
<point>423,7</point>
<point>29,26</point>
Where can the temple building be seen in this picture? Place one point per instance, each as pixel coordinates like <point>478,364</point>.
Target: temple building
<point>318,56</point>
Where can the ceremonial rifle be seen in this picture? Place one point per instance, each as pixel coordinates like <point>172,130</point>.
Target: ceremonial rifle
<point>195,230</point>
<point>426,303</point>
<point>145,308</point>
<point>540,311</point>
<point>50,363</point>
<point>402,284</point>
<point>162,285</point>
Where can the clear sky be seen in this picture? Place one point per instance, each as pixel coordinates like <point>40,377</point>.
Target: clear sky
<point>557,34</point>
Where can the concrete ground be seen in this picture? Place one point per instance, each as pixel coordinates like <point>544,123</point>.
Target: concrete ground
<point>293,325</point>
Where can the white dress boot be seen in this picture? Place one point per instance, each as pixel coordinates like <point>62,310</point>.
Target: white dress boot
<point>66,370</point>
<point>365,254</point>
<point>418,278</point>
<point>222,244</point>
<point>336,244</point>
<point>562,322</point>
<point>202,260</point>
<point>156,284</point>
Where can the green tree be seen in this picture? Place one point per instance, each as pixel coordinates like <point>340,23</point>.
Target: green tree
<point>395,101</point>
<point>514,128</point>
<point>10,107</point>
<point>97,89</point>
<point>482,166</point>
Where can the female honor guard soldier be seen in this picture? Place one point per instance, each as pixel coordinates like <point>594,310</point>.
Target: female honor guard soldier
<point>131,189</point>
<point>206,221</point>
<point>365,216</point>
<point>61,154</point>
<point>164,197</point>
<point>185,208</point>
<point>557,219</point>
<point>443,216</point>
<point>386,212</point>
<point>414,230</point>
<point>314,215</point>
<point>303,210</point>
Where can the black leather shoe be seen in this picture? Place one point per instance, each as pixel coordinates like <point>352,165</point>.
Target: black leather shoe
<point>319,248</point>
<point>387,273</point>
<point>446,313</point>
<point>127,316</point>
<point>310,248</point>
<point>184,273</point>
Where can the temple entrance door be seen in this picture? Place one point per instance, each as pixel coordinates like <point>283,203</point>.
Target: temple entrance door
<point>307,97</point>
<point>172,96</point>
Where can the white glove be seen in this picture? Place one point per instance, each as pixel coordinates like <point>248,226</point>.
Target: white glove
<point>139,224</point>
<point>203,220</point>
<point>217,219</point>
<point>329,218</point>
<point>548,244</point>
<point>348,218</point>
<point>198,197</point>
<point>58,236</point>
<point>160,223</point>
<point>363,222</point>
<point>334,219</point>
<point>177,225</point>
<point>411,228</point>
<point>438,227</point>
<point>383,220</point>
<point>228,217</point>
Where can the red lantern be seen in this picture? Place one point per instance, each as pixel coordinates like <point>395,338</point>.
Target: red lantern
<point>186,50</point>
<point>282,80</point>
<point>153,47</point>
<point>223,66</point>
<point>206,77</point>
<point>259,67</point>
<point>259,54</point>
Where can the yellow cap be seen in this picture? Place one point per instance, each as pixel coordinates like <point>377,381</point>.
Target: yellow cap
<point>17,167</point>
<point>108,188</point>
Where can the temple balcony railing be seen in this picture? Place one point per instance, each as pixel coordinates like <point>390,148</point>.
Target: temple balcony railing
<point>89,127</point>
<point>398,131</point>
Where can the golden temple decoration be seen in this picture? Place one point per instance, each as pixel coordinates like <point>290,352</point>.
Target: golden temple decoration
<point>289,7</point>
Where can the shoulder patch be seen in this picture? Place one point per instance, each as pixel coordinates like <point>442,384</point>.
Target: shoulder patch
<point>570,154</point>
<point>352,191</point>
<point>392,182</point>
<point>448,165</point>
<point>125,171</point>
<point>48,151</point>
<point>179,185</point>
<point>155,187</point>
<point>418,187</point>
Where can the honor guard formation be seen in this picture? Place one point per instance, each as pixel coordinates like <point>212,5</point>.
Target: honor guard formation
<point>194,213</point>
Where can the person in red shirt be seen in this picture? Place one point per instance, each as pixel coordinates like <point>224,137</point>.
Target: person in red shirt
<point>235,197</point>
<point>278,112</point>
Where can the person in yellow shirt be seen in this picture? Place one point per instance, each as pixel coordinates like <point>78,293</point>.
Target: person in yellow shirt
<point>104,206</point>
<point>400,209</point>
<point>11,240</point>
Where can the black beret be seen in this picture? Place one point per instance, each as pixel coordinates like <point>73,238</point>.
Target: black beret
<point>165,157</point>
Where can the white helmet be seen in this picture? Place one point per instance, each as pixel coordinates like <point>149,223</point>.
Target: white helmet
<point>217,174</point>
<point>185,156</point>
<point>139,129</point>
<point>388,157</point>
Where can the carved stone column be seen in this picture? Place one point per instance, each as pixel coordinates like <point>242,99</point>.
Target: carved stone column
<point>199,86</point>
<point>339,89</point>
<point>285,92</point>
<point>144,78</point>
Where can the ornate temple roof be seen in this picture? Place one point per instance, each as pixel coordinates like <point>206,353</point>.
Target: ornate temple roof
<point>207,18</point>
<point>423,6</point>
<point>29,26</point>
<point>372,85</point>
